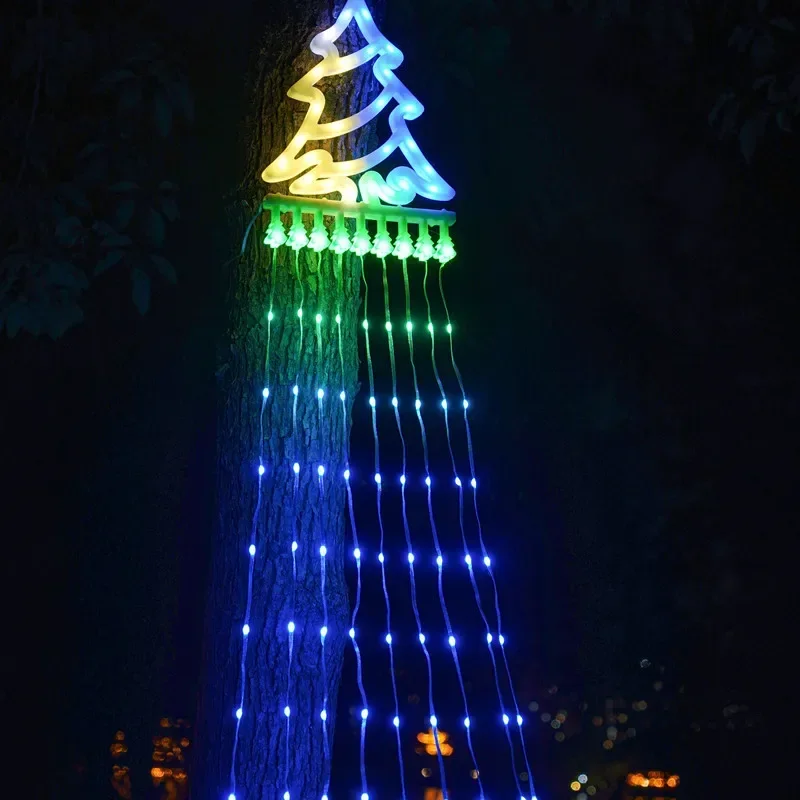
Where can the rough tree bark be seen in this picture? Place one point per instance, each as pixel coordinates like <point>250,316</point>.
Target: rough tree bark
<point>261,760</point>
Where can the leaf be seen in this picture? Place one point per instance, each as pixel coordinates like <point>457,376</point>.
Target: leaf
<point>116,240</point>
<point>763,81</point>
<point>62,273</point>
<point>168,186</point>
<point>113,79</point>
<point>154,227</point>
<point>721,101</point>
<point>68,230</point>
<point>164,267</point>
<point>140,290</point>
<point>162,112</point>
<point>124,212</point>
<point>748,135</point>
<point>63,317</point>
<point>111,258</point>
<point>783,23</point>
<point>15,316</point>
<point>130,98</point>
<point>90,148</point>
<point>182,99</point>
<point>783,120</point>
<point>123,186</point>
<point>169,207</point>
<point>75,195</point>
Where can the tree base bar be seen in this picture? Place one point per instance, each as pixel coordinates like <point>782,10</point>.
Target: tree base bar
<point>361,242</point>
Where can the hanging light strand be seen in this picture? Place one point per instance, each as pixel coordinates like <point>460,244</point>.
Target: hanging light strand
<point>486,558</point>
<point>323,633</point>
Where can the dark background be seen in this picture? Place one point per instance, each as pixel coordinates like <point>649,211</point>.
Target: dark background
<point>624,310</point>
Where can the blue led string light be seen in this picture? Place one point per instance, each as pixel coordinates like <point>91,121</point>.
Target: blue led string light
<point>421,635</point>
<point>323,633</point>
<point>467,557</point>
<point>486,558</point>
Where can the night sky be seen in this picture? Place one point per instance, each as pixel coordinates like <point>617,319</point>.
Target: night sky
<point>623,311</point>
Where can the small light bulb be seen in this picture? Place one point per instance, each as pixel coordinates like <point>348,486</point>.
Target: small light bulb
<point>238,713</point>
<point>428,481</point>
<point>418,404</point>
<point>320,470</point>
<point>342,395</point>
<point>287,712</point>
<point>347,474</point>
<point>261,469</point>
<point>372,402</point>
<point>381,558</point>
<point>449,328</point>
<point>323,715</point>
<point>295,390</point>
<point>231,796</point>
<point>466,722</point>
<point>338,319</point>
<point>294,547</point>
<point>488,638</point>
<point>430,327</point>
<point>434,722</point>
<point>357,554</point>
<point>422,638</point>
<point>252,549</point>
<point>501,639</point>
<point>246,629</point>
<point>468,559</point>
<point>300,313</point>
<point>286,796</point>
<point>465,404</point>
<point>318,318</point>
<point>444,404</point>
<point>505,719</point>
<point>364,796</point>
<point>296,468</point>
<point>364,713</point>
<point>351,633</point>
<point>270,316</point>
<point>290,627</point>
<point>320,394</point>
<point>394,402</point>
<point>410,558</point>
<point>451,641</point>
<point>323,631</point>
<point>487,561</point>
<point>377,477</point>
<point>396,722</point>
<point>265,393</point>
<point>402,480</point>
<point>388,638</point>
<point>473,483</point>
<point>519,720</point>
<point>365,324</point>
<point>323,551</point>
<point>409,326</point>
<point>439,561</point>
<point>458,482</point>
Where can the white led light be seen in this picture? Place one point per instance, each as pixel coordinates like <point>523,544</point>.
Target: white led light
<point>402,480</point>
<point>505,719</point>
<point>287,712</point>
<point>252,549</point>
<point>388,326</point>
<point>394,402</point>
<point>347,474</point>
<point>290,627</point>
<point>466,722</point>
<point>417,405</point>
<point>357,554</point>
<point>465,404</point>
<point>519,720</point>
<point>295,390</point>
<point>372,402</point>
<point>323,715</point>
<point>351,633</point>
<point>388,638</point>
<point>473,483</point>
<point>300,313</point>
<point>364,713</point>
<point>377,477</point>
<point>439,561</point>
<point>409,326</point>
<point>320,394</point>
<point>318,318</point>
<point>365,324</point>
<point>320,470</point>
<point>323,631</point>
<point>294,547</point>
<point>487,561</point>
<point>296,468</point>
<point>458,482</point>
<point>261,469</point>
<point>265,393</point>
<point>338,319</point>
<point>430,327</point>
<point>286,796</point>
<point>422,638</point>
<point>231,796</point>
<point>323,551</point>
<point>364,796</point>
<point>410,558</point>
<point>246,629</point>
<point>434,722</point>
<point>488,638</point>
<point>428,481</point>
<point>468,559</point>
<point>501,639</point>
<point>380,557</point>
<point>396,722</point>
<point>270,316</point>
<point>444,404</point>
<point>238,713</point>
<point>583,778</point>
<point>342,396</point>
<point>451,641</point>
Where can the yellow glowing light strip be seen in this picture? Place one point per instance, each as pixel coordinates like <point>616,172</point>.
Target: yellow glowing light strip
<point>315,172</point>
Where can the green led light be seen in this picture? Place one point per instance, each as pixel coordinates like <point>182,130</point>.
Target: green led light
<point>365,324</point>
<point>409,326</point>
<point>338,319</point>
<point>388,326</point>
<point>300,313</point>
<point>424,249</point>
<point>318,318</point>
<point>270,316</point>
<point>382,245</point>
<point>275,235</point>
<point>361,243</point>
<point>298,238</point>
<point>449,328</point>
<point>318,241</point>
<point>403,246</point>
<point>430,327</point>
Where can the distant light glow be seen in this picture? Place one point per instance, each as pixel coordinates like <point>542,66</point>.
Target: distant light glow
<point>351,633</point>
<point>265,393</point>
<point>364,713</point>
<point>388,638</point>
<point>323,715</point>
<point>467,723</point>
<point>323,631</point>
<point>505,719</point>
<point>238,713</point>
<point>396,722</point>
<point>394,402</point>
<point>357,553</point>
<point>320,470</point>
<point>451,641</point>
<point>434,721</point>
<point>290,627</point>
<point>296,468</point>
<point>422,638</point>
<point>342,395</point>
<point>323,551</point>
<point>252,549</point>
<point>347,474</point>
<point>294,547</point>
<point>261,469</point>
<point>410,558</point>
<point>428,481</point>
<point>372,402</point>
<point>246,629</point>
<point>287,712</point>
<point>320,394</point>
<point>380,557</point>
<point>439,561</point>
<point>487,561</point>
<point>488,638</point>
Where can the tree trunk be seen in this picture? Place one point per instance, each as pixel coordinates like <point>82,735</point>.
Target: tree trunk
<point>310,517</point>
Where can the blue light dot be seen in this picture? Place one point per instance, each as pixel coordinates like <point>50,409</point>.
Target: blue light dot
<point>439,561</point>
<point>377,477</point>
<point>238,713</point>
<point>351,633</point>
<point>505,719</point>
<point>380,557</point>
<point>252,549</point>
<point>295,390</point>
<point>261,469</point>
<point>364,713</point>
<point>394,402</point>
<point>290,627</point>
<point>466,404</point>
<point>320,394</point>
<point>452,641</point>
<point>357,553</point>
<point>396,722</point>
<point>434,722</point>
<point>403,480</point>
<point>388,638</point>
<point>417,405</point>
<point>473,483</point>
<point>458,481</point>
<point>488,638</point>
<point>347,474</point>
<point>323,715</point>
<point>487,561</point>
<point>428,481</point>
<point>372,402</point>
<point>246,629</point>
<point>444,404</point>
<point>422,638</point>
<point>323,551</point>
<point>466,722</point>
<point>519,720</point>
<point>501,639</point>
<point>320,470</point>
<point>323,631</point>
<point>265,393</point>
<point>287,712</point>
<point>410,558</point>
<point>468,559</point>
<point>296,468</point>
<point>294,547</point>
<point>342,396</point>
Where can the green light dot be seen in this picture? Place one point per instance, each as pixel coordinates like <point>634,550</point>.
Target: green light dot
<point>430,327</point>
<point>270,316</point>
<point>449,328</point>
<point>365,324</point>
<point>300,313</point>
<point>388,326</point>
<point>409,327</point>
<point>319,318</point>
<point>338,319</point>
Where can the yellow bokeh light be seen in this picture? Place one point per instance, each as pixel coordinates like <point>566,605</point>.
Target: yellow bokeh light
<point>575,786</point>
